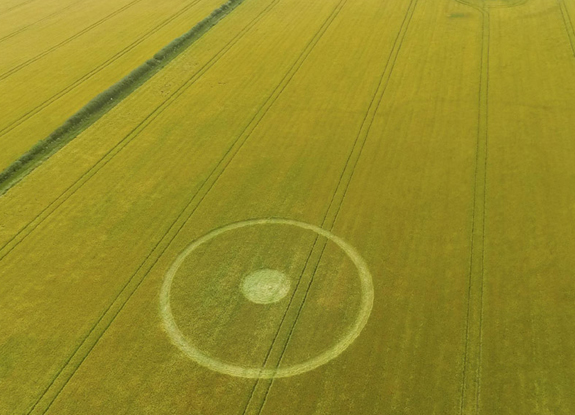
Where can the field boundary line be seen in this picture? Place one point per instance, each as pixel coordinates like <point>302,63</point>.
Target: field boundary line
<point>19,121</point>
<point>342,187</point>
<point>568,22</point>
<point>25,28</point>
<point>471,370</point>
<point>202,192</point>
<point>30,61</point>
<point>110,154</point>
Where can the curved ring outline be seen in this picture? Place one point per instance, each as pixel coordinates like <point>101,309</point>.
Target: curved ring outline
<point>180,341</point>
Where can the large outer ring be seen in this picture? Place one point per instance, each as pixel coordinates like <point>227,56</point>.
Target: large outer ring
<point>180,341</point>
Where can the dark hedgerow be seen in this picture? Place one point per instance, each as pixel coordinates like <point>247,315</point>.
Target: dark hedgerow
<point>106,100</point>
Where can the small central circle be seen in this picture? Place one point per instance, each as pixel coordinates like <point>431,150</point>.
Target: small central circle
<point>265,286</point>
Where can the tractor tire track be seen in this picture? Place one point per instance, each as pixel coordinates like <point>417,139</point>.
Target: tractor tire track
<point>17,6</point>
<point>16,123</point>
<point>569,28</point>
<point>26,230</point>
<point>109,315</point>
<point>332,212</point>
<point>21,66</point>
<point>25,28</point>
<point>471,372</point>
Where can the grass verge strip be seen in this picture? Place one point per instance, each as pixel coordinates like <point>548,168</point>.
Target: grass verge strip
<point>107,100</point>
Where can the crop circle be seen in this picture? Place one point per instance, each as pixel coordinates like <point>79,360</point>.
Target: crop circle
<point>180,340</point>
<point>265,286</point>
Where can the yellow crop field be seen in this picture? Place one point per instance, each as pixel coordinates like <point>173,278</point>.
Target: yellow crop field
<point>27,16</point>
<point>55,60</point>
<point>335,207</point>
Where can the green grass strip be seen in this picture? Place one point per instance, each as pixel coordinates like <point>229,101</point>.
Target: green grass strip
<point>107,100</point>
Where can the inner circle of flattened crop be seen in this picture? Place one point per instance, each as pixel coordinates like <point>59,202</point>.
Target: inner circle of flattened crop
<point>180,341</point>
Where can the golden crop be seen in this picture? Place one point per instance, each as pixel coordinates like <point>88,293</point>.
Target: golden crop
<point>431,142</point>
<point>61,55</point>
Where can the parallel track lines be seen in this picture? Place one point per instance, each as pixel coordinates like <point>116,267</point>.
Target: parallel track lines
<point>471,376</point>
<point>16,123</point>
<point>17,6</point>
<point>17,68</point>
<point>25,28</point>
<point>336,202</point>
<point>117,148</point>
<point>569,28</point>
<point>116,301</point>
<point>110,314</point>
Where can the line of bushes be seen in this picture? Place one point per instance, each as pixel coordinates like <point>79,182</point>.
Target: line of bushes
<point>106,100</point>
